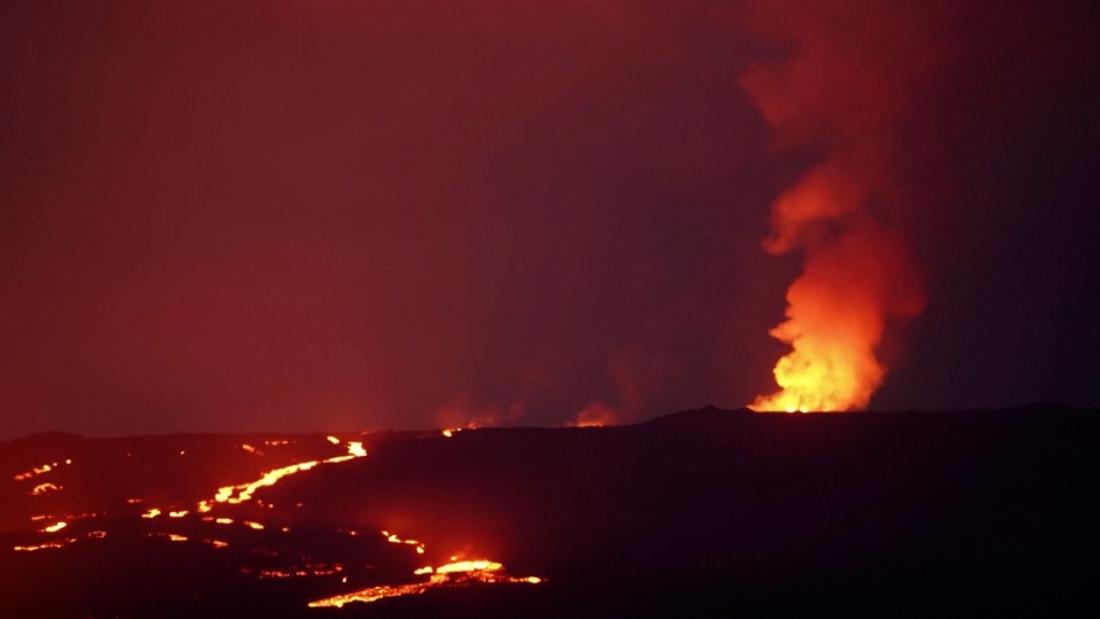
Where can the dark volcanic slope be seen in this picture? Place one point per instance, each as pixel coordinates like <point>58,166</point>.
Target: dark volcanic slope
<point>721,508</point>
<point>697,513</point>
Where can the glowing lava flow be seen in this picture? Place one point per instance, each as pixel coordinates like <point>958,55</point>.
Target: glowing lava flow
<point>45,545</point>
<point>39,470</point>
<point>394,539</point>
<point>318,569</point>
<point>456,572</point>
<point>44,488</point>
<point>241,493</point>
<point>459,572</point>
<point>233,495</point>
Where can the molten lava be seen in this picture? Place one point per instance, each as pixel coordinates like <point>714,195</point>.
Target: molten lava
<point>241,493</point>
<point>450,574</point>
<point>319,569</point>
<point>44,488</point>
<point>394,539</point>
<point>44,545</point>
<point>216,511</point>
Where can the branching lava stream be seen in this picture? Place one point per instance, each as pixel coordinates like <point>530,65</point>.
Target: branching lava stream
<point>220,510</point>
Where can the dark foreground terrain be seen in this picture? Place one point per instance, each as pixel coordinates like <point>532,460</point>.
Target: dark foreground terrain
<point>703,513</point>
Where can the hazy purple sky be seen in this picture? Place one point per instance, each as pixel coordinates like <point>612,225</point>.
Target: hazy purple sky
<point>300,215</point>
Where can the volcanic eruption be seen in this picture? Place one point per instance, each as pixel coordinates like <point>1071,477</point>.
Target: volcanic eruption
<point>376,310</point>
<point>840,94</point>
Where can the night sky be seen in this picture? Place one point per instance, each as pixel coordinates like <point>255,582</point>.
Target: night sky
<point>305,215</point>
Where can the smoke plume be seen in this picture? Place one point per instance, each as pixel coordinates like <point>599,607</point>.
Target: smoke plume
<point>842,94</point>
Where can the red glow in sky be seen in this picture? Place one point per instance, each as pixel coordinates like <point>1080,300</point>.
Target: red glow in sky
<point>217,217</point>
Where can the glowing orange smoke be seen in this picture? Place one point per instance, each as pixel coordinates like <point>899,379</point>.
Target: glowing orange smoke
<point>841,91</point>
<point>837,314</point>
<point>595,415</point>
